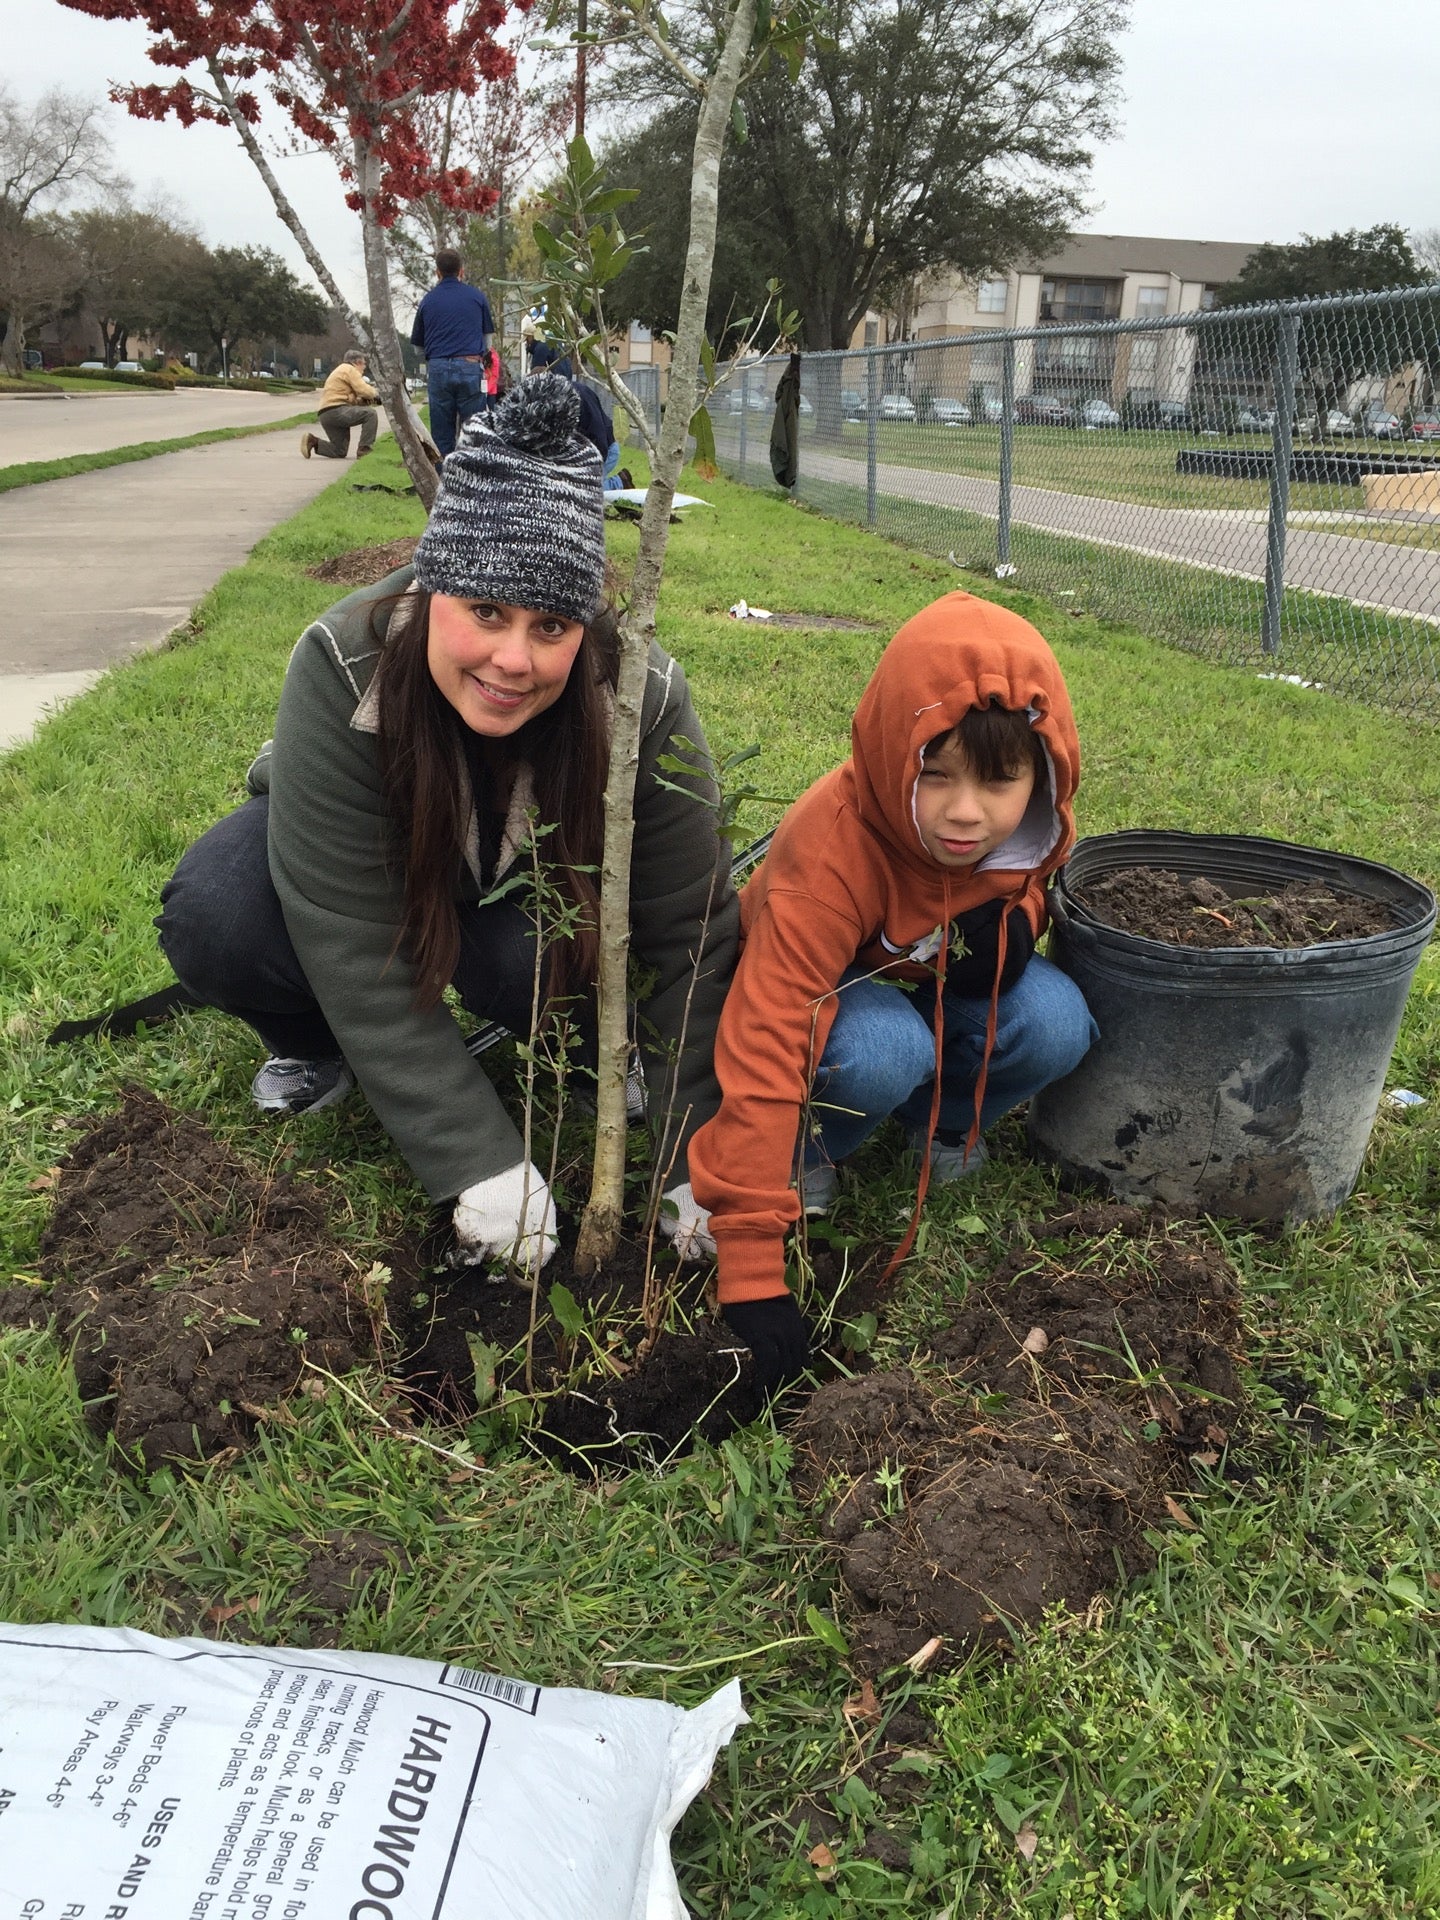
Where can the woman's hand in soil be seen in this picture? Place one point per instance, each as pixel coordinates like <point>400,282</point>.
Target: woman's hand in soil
<point>508,1217</point>
<point>776,1334</point>
<point>686,1224</point>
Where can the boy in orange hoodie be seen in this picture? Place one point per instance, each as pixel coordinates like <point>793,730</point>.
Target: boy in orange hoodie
<point>923,860</point>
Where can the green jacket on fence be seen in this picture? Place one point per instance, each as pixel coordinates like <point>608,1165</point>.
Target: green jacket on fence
<point>334,864</point>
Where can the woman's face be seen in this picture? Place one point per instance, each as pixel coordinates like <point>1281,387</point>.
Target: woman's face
<point>497,665</point>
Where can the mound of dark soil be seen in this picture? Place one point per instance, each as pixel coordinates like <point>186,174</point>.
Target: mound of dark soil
<point>193,1290</point>
<point>1159,905</point>
<point>1031,1466</point>
<point>363,566</point>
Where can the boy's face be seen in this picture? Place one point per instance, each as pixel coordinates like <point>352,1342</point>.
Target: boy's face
<point>962,818</point>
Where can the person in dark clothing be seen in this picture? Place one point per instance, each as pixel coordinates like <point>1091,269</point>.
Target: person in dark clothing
<point>597,424</point>
<point>455,330</point>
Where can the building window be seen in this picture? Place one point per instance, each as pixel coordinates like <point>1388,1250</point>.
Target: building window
<point>1068,302</point>
<point>1207,299</point>
<point>992,296</point>
<point>1151,301</point>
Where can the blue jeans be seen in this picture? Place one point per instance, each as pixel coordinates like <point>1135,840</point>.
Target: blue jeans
<point>880,1056</point>
<point>610,477</point>
<point>456,389</point>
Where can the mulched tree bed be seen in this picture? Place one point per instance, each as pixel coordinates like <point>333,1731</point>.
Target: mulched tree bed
<point>1036,1445</point>
<point>363,566</point>
<point>1159,905</point>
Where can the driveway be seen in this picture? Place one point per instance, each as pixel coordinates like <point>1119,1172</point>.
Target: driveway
<point>100,567</point>
<point>48,429</point>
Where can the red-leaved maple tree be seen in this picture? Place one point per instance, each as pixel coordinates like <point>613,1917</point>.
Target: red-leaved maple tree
<point>351,76</point>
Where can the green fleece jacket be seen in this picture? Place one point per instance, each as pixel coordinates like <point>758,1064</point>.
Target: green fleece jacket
<point>341,887</point>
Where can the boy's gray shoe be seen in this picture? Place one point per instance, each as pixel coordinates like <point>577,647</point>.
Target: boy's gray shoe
<point>948,1164</point>
<point>300,1086</point>
<point>819,1186</point>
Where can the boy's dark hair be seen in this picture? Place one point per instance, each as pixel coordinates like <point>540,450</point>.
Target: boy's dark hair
<point>447,263</point>
<point>997,742</point>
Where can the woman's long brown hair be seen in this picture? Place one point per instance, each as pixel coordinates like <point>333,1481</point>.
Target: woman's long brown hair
<point>424,769</point>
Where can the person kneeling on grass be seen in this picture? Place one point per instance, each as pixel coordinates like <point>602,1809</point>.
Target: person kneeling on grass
<point>346,400</point>
<point>429,728</point>
<point>921,862</point>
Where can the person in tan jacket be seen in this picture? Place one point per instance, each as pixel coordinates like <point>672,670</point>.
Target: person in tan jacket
<point>347,400</point>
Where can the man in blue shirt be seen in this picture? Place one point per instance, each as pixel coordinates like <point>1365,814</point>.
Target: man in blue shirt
<point>455,330</point>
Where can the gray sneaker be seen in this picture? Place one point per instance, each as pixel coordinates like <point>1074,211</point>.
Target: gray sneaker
<point>819,1187</point>
<point>948,1164</point>
<point>300,1086</point>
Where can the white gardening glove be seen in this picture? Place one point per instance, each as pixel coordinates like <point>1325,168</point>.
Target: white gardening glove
<point>490,1225</point>
<point>687,1228</point>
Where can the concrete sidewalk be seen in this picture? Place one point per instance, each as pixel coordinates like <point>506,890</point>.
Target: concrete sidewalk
<point>100,567</point>
<point>58,425</point>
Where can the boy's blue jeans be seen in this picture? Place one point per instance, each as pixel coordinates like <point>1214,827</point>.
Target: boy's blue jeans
<point>880,1056</point>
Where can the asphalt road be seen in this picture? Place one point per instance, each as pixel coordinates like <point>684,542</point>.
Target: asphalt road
<point>48,429</point>
<point>96,569</point>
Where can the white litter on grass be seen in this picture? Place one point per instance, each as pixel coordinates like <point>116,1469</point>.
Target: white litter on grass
<point>1403,1097</point>
<point>740,611</point>
<point>1293,680</point>
<point>183,1778</point>
<point>1006,569</point>
<point>636,497</point>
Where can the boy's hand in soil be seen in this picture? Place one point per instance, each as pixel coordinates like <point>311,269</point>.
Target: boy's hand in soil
<point>510,1217</point>
<point>776,1334</point>
<point>686,1224</point>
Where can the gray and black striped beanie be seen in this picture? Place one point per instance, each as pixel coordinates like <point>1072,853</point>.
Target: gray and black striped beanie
<point>520,515</point>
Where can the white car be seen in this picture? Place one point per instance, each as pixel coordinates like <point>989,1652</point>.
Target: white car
<point>1098,413</point>
<point>896,406</point>
<point>948,413</point>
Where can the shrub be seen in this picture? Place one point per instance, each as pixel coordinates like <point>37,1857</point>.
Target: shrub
<point>162,380</point>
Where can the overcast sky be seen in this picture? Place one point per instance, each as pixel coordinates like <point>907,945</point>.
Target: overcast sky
<point>1242,120</point>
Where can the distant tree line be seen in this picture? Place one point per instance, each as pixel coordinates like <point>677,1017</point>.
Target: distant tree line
<point>120,271</point>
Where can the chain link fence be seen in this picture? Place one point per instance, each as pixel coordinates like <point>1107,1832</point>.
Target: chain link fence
<point>1260,485</point>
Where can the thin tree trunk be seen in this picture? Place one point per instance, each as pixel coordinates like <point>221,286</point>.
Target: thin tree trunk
<point>416,446</point>
<point>600,1228</point>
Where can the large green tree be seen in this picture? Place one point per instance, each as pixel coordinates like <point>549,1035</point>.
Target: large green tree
<point>236,294</point>
<point>129,258</point>
<point>919,134</point>
<point>1349,262</point>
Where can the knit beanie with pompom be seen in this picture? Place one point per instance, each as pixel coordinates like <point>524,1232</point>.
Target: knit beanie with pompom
<point>520,516</point>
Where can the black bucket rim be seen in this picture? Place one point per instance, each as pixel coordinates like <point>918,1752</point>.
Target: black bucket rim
<point>1411,932</point>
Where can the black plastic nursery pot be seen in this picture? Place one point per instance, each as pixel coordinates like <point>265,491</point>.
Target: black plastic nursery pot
<point>1240,1081</point>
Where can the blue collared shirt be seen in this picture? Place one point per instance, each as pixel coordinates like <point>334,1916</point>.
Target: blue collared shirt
<point>453,319</point>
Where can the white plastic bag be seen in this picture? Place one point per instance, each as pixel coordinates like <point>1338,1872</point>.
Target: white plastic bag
<point>145,1779</point>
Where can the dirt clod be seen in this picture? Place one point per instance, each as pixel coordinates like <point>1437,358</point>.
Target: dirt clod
<point>363,566</point>
<point>1159,905</point>
<point>968,1499</point>
<point>193,1290</point>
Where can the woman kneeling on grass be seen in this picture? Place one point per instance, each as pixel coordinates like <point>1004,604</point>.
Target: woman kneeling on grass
<point>426,723</point>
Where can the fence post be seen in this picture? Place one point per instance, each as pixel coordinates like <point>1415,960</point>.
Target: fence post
<point>744,417</point>
<point>1282,441</point>
<point>872,430</point>
<point>1007,451</point>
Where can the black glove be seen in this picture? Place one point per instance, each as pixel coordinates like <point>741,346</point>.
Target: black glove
<point>776,1334</point>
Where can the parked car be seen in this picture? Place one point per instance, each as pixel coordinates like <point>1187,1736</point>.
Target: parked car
<point>896,406</point>
<point>1425,426</point>
<point>1335,426</point>
<point>852,403</point>
<point>1043,410</point>
<point>944,412</point>
<point>1381,424</point>
<point>1097,414</point>
<point>1254,419</point>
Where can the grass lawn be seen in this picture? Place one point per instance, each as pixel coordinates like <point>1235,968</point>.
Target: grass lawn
<point>28,473</point>
<point>1250,1731</point>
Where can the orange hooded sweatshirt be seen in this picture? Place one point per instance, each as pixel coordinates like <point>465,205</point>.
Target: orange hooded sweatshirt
<point>847,881</point>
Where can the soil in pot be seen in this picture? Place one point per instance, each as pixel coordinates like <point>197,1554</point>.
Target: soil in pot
<point>1156,904</point>
<point>1052,1433</point>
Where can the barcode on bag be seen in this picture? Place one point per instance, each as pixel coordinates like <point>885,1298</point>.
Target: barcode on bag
<point>492,1686</point>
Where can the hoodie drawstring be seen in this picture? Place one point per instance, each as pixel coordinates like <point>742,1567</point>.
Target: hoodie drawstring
<point>992,1021</point>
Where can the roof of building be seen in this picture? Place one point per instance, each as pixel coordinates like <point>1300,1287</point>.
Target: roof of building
<point>1109,256</point>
